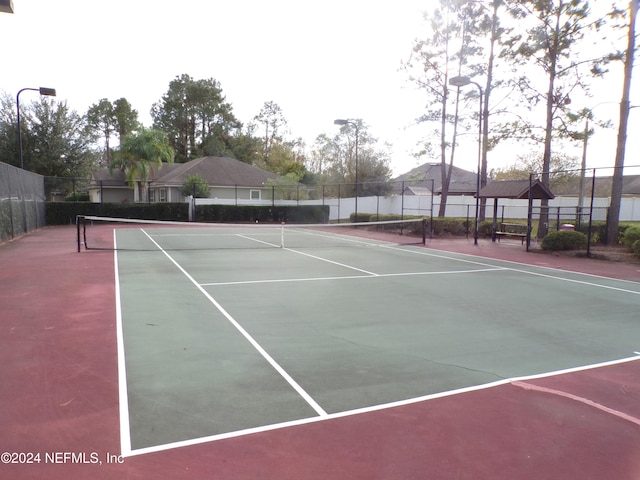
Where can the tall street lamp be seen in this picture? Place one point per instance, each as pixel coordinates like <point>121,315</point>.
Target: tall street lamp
<point>350,122</point>
<point>463,81</point>
<point>43,91</point>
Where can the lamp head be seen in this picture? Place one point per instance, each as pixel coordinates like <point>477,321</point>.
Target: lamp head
<point>340,122</point>
<point>459,81</point>
<point>51,92</point>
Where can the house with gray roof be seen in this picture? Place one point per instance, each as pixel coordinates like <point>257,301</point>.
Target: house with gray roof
<point>228,178</point>
<point>421,180</point>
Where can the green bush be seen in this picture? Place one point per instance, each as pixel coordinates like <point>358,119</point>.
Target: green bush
<point>630,237</point>
<point>362,217</point>
<point>636,248</point>
<point>451,226</point>
<point>564,240</point>
<point>77,197</point>
<point>485,228</point>
<point>598,231</point>
<point>196,186</point>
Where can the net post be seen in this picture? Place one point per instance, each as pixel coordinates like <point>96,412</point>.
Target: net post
<point>424,231</point>
<point>282,235</point>
<point>78,217</point>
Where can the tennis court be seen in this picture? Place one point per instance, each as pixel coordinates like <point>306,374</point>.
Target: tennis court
<point>291,359</point>
<point>225,332</point>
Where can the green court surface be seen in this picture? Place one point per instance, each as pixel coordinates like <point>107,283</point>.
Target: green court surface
<point>224,341</point>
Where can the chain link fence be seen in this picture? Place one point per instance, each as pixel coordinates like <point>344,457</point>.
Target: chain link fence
<point>22,202</point>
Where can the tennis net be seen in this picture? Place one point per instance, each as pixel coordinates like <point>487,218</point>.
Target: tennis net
<point>107,233</point>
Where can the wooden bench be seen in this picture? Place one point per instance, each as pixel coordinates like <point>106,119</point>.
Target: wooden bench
<point>512,230</point>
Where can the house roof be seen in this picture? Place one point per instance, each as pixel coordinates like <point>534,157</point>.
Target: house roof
<point>516,189</point>
<point>216,171</point>
<point>428,174</point>
<point>110,179</point>
<point>630,186</point>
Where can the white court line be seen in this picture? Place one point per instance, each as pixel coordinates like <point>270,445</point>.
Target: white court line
<point>319,410</point>
<point>312,256</point>
<point>367,242</point>
<point>353,277</point>
<point>331,261</point>
<point>125,438</point>
<point>554,277</point>
<point>256,240</point>
<point>374,408</point>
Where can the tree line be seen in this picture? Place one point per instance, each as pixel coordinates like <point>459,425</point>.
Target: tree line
<point>192,119</point>
<point>526,69</point>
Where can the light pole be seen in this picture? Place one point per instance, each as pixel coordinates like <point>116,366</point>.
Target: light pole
<point>43,91</point>
<point>463,81</point>
<point>355,124</point>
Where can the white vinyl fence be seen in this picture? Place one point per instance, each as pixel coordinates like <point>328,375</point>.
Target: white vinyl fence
<point>457,206</point>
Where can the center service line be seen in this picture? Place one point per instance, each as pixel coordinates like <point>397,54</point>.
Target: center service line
<point>312,256</point>
<point>319,410</point>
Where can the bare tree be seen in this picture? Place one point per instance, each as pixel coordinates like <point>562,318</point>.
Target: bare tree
<point>273,121</point>
<point>613,215</point>
<point>550,45</point>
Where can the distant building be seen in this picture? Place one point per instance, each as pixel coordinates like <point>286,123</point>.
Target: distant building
<point>228,178</point>
<point>630,186</point>
<point>421,180</point>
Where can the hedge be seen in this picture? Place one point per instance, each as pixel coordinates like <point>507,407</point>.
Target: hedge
<point>253,213</point>
<point>61,213</point>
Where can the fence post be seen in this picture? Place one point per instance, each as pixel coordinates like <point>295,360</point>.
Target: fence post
<point>466,228</point>
<point>530,211</point>
<point>402,208</point>
<point>338,203</point>
<point>593,187</point>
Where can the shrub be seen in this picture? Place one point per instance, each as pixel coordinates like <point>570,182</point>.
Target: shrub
<point>362,217</point>
<point>450,226</point>
<point>598,231</point>
<point>485,228</point>
<point>196,186</point>
<point>630,237</point>
<point>636,248</point>
<point>77,197</point>
<point>564,240</point>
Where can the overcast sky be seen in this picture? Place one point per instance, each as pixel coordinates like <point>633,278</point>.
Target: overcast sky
<point>318,60</point>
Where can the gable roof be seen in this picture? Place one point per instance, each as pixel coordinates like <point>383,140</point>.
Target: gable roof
<point>630,186</point>
<point>216,171</point>
<point>462,181</point>
<point>518,189</point>
<point>110,179</point>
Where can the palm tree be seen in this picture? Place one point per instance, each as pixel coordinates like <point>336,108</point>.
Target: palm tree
<point>139,153</point>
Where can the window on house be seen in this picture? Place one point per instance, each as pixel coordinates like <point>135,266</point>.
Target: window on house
<point>255,194</point>
<point>152,195</point>
<point>163,195</point>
